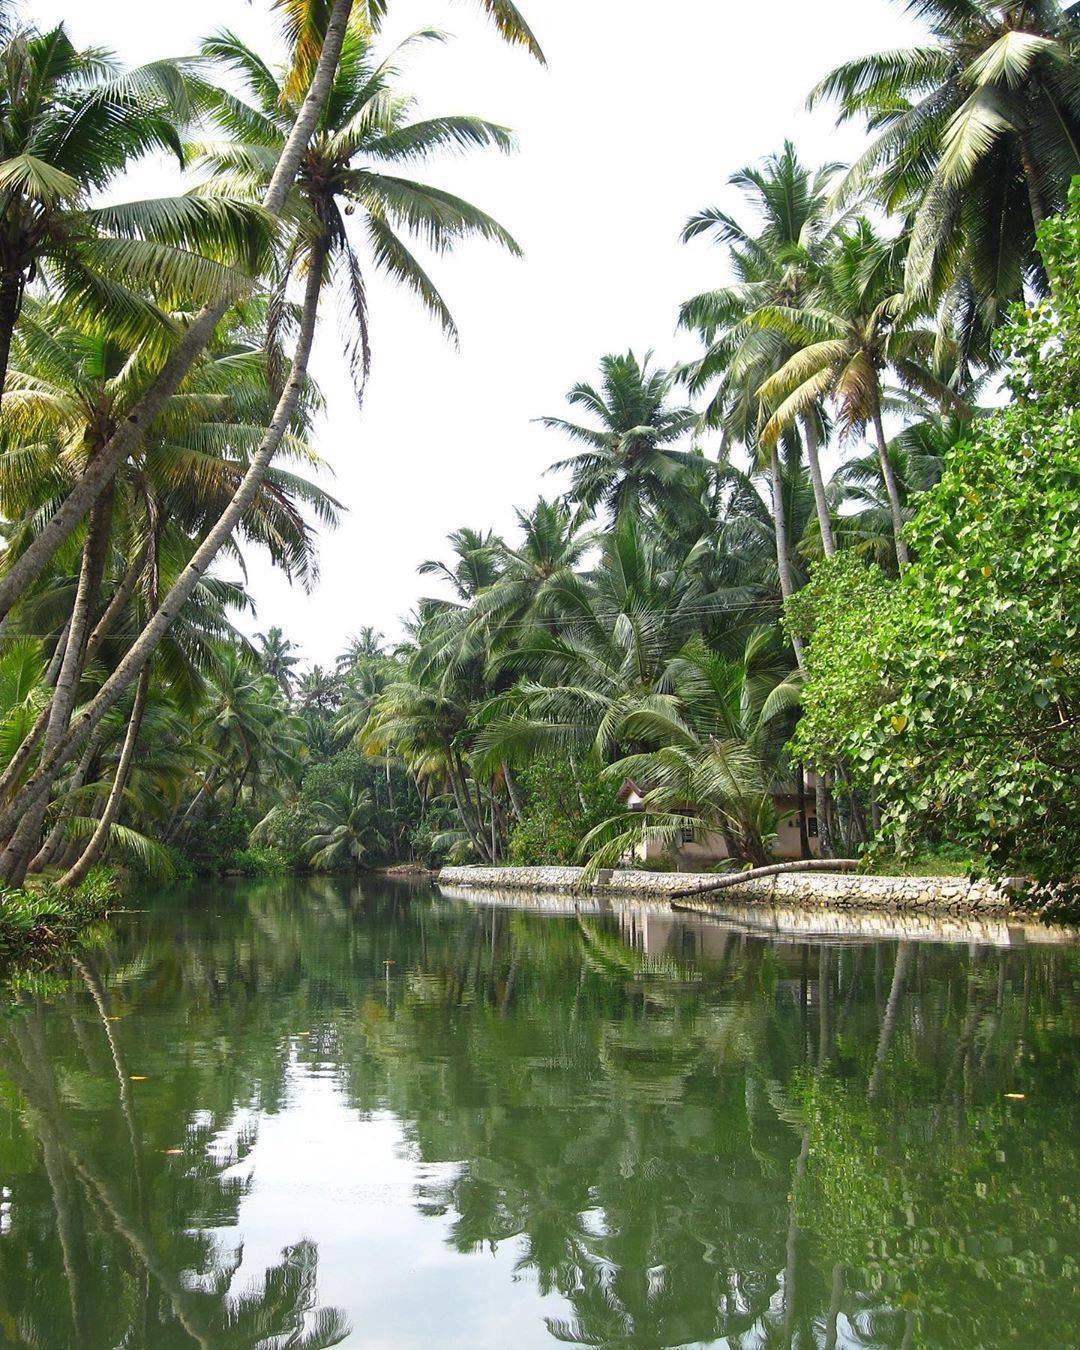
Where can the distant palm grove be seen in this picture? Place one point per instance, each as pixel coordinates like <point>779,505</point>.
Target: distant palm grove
<point>836,555</point>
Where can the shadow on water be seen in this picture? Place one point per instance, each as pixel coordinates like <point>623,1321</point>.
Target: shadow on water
<point>308,1114</point>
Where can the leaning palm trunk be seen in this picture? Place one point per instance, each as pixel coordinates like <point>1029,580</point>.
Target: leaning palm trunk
<point>27,837</point>
<point>123,593</point>
<point>783,555</point>
<point>821,505</point>
<point>38,785</point>
<point>100,838</point>
<point>889,478</point>
<point>51,849</point>
<point>128,436</point>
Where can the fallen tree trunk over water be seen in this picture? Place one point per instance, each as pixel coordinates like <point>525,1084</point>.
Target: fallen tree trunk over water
<point>729,879</point>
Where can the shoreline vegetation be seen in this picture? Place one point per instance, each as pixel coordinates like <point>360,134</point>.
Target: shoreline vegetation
<point>696,611</point>
<point>42,921</point>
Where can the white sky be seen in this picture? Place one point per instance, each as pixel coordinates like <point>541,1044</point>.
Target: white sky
<point>642,113</point>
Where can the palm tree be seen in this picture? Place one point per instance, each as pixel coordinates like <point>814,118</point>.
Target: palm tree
<point>365,132</point>
<point>444,223</point>
<point>774,263</point>
<point>317,690</point>
<point>529,577</point>
<point>854,325</point>
<point>69,387</point>
<point>278,656</point>
<point>716,750</point>
<point>365,645</point>
<point>917,454</point>
<point>345,830</point>
<point>978,134</point>
<point>629,462</point>
<point>70,122</point>
<point>612,638</point>
<point>128,436</point>
<point>475,564</point>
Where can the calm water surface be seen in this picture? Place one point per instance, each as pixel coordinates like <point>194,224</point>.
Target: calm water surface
<point>311,1114</point>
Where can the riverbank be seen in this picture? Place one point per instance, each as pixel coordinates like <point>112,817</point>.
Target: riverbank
<point>40,920</point>
<point>846,891</point>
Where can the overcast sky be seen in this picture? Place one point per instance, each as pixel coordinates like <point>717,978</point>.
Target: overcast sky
<point>642,113</point>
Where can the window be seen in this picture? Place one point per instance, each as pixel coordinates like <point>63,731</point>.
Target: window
<point>687,833</point>
<point>811,827</point>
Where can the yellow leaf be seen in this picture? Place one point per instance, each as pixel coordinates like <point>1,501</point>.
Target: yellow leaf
<point>899,722</point>
<point>988,571</point>
<point>138,1077</point>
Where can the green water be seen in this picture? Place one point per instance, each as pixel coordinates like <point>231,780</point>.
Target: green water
<point>307,1114</point>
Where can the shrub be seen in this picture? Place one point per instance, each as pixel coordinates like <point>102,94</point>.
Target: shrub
<point>562,802</point>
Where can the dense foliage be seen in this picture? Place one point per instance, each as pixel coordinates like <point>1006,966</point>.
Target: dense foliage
<point>158,418</point>
<point>954,693</point>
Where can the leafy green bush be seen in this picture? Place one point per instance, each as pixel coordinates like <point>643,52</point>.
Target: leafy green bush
<point>44,917</point>
<point>953,694</point>
<point>211,842</point>
<point>561,803</point>
<point>261,862</point>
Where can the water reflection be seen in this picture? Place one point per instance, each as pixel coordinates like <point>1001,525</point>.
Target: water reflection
<point>304,1115</point>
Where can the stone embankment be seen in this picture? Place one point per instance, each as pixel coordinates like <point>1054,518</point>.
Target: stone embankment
<point>950,895</point>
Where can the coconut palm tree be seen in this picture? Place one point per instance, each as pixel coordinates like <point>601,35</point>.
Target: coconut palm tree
<point>317,690</point>
<point>277,657</point>
<point>715,750</point>
<point>977,134</point>
<point>444,218</point>
<point>852,327</point>
<point>530,576</point>
<point>775,262</point>
<point>69,388</point>
<point>364,645</point>
<point>345,829</point>
<point>474,567</point>
<point>70,122</point>
<point>629,461</point>
<point>128,436</point>
<point>346,184</point>
<point>612,638</point>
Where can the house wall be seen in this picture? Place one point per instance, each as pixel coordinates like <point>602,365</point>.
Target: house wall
<point>709,846</point>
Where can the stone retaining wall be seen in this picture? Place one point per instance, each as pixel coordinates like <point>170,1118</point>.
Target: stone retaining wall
<point>831,890</point>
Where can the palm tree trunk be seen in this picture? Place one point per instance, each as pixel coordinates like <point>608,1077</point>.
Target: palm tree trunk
<point>100,838</point>
<point>196,805</point>
<point>810,432</point>
<point>146,643</point>
<point>50,850</point>
<point>804,836</point>
<point>889,478</point>
<point>129,435</point>
<point>123,593</point>
<point>512,793</point>
<point>1033,179</point>
<point>464,802</point>
<point>118,602</point>
<point>783,555</point>
<point>52,674</point>
<point>26,840</point>
<point>11,291</point>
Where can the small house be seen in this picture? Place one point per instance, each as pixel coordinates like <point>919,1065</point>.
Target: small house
<point>699,849</point>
